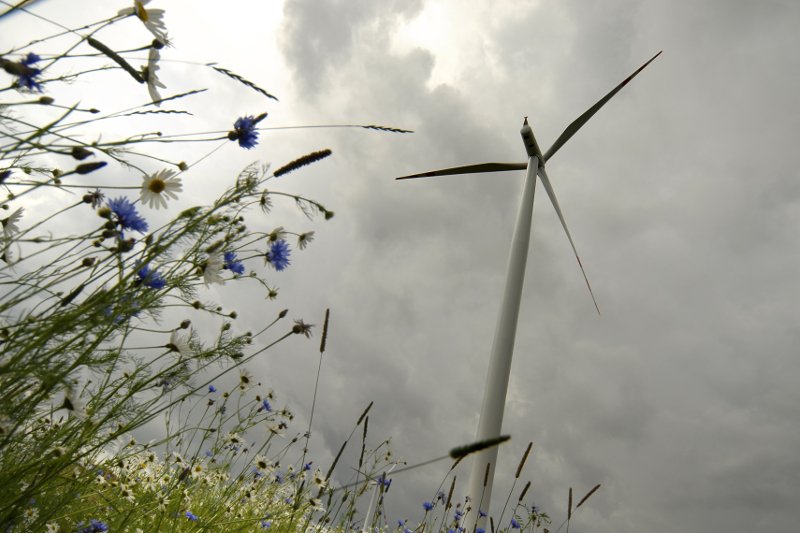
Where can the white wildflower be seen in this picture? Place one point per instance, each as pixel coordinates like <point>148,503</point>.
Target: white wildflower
<point>212,270</point>
<point>159,186</point>
<point>51,527</point>
<point>153,83</point>
<point>276,234</point>
<point>153,19</point>
<point>180,344</point>
<point>10,227</point>
<point>319,479</point>
<point>233,439</point>
<point>31,514</point>
<point>126,493</point>
<point>262,463</point>
<point>304,238</point>
<point>73,402</point>
<point>245,379</point>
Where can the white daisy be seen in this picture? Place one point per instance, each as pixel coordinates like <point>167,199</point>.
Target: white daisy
<point>245,379</point>
<point>304,238</point>
<point>73,402</point>
<point>180,344</point>
<point>10,223</point>
<point>159,185</point>
<point>276,234</point>
<point>212,269</point>
<point>153,83</point>
<point>319,479</point>
<point>153,19</point>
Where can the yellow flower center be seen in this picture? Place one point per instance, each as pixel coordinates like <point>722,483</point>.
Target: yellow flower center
<point>141,12</point>
<point>156,185</point>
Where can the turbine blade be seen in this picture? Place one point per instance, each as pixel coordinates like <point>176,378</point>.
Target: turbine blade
<point>581,120</point>
<point>469,169</point>
<point>551,193</point>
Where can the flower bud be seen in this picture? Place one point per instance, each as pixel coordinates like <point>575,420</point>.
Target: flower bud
<point>86,168</point>
<point>80,153</point>
<point>126,245</point>
<point>186,323</point>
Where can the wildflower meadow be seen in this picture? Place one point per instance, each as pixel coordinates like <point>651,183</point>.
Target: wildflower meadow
<point>127,403</point>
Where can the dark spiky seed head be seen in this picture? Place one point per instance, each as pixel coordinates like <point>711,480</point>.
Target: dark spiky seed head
<point>522,462</point>
<point>462,451</point>
<point>587,495</point>
<point>524,491</point>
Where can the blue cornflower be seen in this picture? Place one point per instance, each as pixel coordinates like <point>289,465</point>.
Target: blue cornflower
<point>515,524</point>
<point>191,516</point>
<point>237,267</point>
<point>212,388</point>
<point>480,530</point>
<point>126,308</point>
<point>307,466</point>
<point>95,526</point>
<point>209,453</point>
<point>266,524</point>
<point>401,523</point>
<point>126,214</point>
<point>481,514</point>
<point>151,278</point>
<point>458,514</point>
<point>25,72</point>
<point>427,506</point>
<point>278,254</point>
<point>266,406</point>
<point>244,131</point>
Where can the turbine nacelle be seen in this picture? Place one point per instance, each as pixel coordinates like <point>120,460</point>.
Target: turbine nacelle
<point>529,140</point>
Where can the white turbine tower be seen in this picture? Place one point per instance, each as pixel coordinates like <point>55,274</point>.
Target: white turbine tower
<point>491,417</point>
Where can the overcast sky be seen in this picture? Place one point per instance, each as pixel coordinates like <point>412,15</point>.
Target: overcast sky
<point>682,196</point>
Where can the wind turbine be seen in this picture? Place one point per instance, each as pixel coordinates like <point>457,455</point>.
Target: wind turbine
<point>491,417</point>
